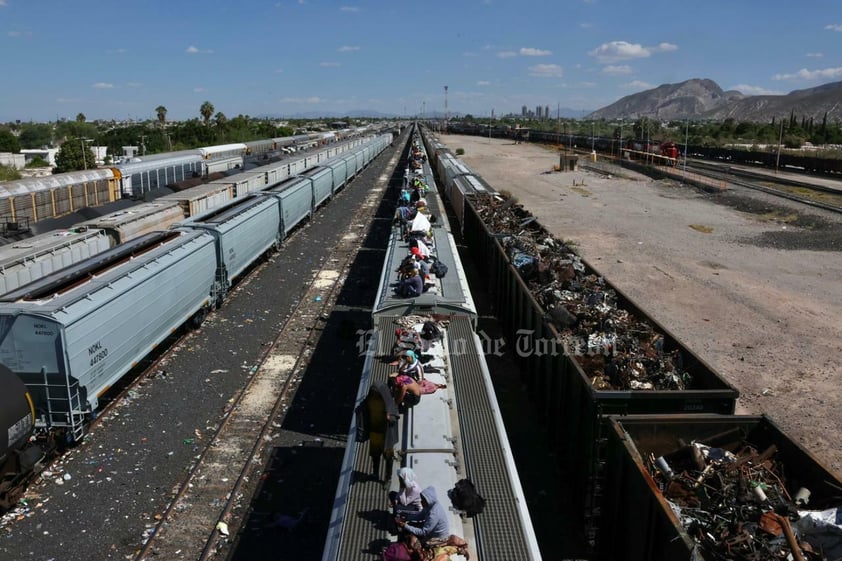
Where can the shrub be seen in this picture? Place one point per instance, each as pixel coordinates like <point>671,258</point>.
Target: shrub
<point>460,151</point>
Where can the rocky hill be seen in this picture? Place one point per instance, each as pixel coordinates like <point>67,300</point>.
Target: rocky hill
<point>704,99</point>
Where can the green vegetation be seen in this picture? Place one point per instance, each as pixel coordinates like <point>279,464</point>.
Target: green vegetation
<point>8,141</point>
<point>37,162</point>
<point>792,132</point>
<point>75,154</point>
<point>8,173</point>
<point>460,151</point>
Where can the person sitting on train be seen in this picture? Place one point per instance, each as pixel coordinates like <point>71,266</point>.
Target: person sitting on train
<point>411,366</point>
<point>406,391</point>
<point>405,214</point>
<point>435,523</point>
<point>406,503</point>
<point>411,286</point>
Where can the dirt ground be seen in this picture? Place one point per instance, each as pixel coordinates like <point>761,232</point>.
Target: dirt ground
<point>750,283</point>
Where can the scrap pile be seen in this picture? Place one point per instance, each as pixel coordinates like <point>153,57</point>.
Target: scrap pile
<point>616,349</point>
<point>736,505</point>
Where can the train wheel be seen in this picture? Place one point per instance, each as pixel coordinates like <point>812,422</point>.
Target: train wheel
<point>198,318</point>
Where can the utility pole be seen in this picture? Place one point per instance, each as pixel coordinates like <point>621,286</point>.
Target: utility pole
<point>82,141</point>
<point>558,123</point>
<point>621,139</point>
<point>686,142</point>
<point>446,112</point>
<point>780,141</point>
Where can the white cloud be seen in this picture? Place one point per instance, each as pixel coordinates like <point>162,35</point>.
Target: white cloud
<point>134,84</point>
<point>329,64</point>
<point>638,85</point>
<point>349,9</point>
<point>483,83</point>
<point>199,90</point>
<point>506,54</point>
<point>614,69</point>
<point>68,100</point>
<point>834,27</point>
<point>753,90</point>
<point>814,55</point>
<point>546,71</point>
<point>3,3</point>
<point>191,50</point>
<point>529,51</point>
<point>805,74</point>
<point>102,86</point>
<point>585,25</point>
<point>586,85</point>
<point>310,100</point>
<point>347,49</point>
<point>616,51</point>
<point>279,71</point>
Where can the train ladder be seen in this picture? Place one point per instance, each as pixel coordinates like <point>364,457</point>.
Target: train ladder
<point>596,482</point>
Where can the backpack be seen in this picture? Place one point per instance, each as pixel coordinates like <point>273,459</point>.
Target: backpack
<point>438,268</point>
<point>362,422</point>
<point>464,496</point>
<point>430,331</point>
<point>396,552</point>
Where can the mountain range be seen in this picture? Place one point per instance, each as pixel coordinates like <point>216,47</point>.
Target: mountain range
<point>697,99</point>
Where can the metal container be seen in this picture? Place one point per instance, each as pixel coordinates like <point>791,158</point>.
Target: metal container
<point>71,335</point>
<point>321,179</point>
<point>638,523</point>
<point>17,418</point>
<point>33,258</point>
<point>130,223</point>
<point>296,196</point>
<point>197,200</point>
<point>244,230</point>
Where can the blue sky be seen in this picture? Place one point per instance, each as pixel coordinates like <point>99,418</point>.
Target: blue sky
<point>118,59</point>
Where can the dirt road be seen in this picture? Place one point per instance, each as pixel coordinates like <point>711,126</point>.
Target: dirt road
<point>751,283</point>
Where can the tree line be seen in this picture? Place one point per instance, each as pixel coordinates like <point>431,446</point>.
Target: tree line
<point>792,132</point>
<point>151,137</point>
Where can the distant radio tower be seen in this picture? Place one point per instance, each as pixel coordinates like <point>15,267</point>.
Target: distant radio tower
<point>446,113</point>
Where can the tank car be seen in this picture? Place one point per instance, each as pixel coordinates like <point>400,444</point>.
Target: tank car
<point>18,459</point>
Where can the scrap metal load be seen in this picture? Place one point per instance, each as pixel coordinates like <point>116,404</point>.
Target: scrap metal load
<point>715,488</point>
<point>736,504</point>
<point>617,349</point>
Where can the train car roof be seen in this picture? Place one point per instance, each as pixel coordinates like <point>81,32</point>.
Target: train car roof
<point>83,280</point>
<point>49,242</point>
<point>211,150</point>
<point>37,184</point>
<point>451,293</point>
<point>148,164</point>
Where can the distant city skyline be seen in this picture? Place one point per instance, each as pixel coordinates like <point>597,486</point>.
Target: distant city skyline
<point>292,57</point>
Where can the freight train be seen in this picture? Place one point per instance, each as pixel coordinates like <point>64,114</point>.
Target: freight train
<point>30,258</point>
<point>624,449</point>
<point>770,159</point>
<point>28,201</point>
<point>452,434</point>
<point>69,336</point>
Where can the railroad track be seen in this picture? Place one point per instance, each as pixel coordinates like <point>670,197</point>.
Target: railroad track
<point>203,512</point>
<point>817,196</point>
